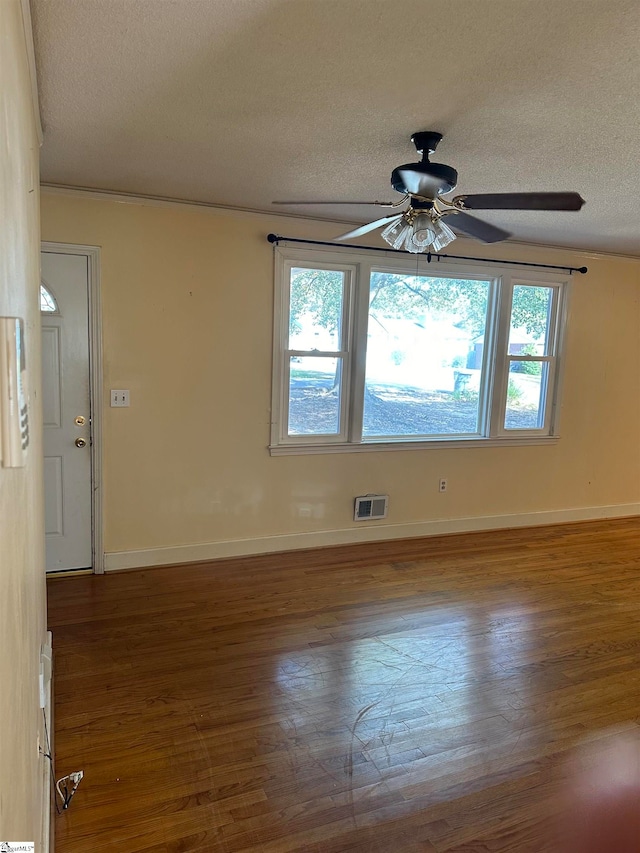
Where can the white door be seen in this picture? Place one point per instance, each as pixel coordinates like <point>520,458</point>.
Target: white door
<point>66,411</point>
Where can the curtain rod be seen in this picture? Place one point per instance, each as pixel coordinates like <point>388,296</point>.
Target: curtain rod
<point>277,238</point>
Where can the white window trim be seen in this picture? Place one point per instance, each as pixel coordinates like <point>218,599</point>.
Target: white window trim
<point>492,408</point>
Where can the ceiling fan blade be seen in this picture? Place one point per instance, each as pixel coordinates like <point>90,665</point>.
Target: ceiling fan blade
<point>370,226</point>
<point>475,227</point>
<point>521,201</point>
<point>379,203</point>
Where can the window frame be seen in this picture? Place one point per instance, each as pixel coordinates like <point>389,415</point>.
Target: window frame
<point>554,340</point>
<point>493,286</point>
<point>358,265</point>
<point>283,354</point>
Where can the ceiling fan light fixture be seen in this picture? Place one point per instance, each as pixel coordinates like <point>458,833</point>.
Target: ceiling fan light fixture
<point>423,231</point>
<point>409,244</point>
<point>418,232</point>
<point>395,233</point>
<point>443,235</point>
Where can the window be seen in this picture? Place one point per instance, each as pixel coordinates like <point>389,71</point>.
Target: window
<point>47,301</point>
<point>373,352</point>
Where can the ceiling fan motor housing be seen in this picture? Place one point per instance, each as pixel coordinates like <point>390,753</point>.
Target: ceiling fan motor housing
<point>436,178</point>
<point>444,178</point>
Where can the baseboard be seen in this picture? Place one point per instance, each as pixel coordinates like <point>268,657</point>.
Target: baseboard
<point>372,532</point>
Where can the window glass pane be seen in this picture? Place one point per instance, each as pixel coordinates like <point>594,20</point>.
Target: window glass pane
<point>315,309</point>
<point>47,302</point>
<point>530,319</point>
<point>424,355</point>
<point>525,395</point>
<point>315,386</point>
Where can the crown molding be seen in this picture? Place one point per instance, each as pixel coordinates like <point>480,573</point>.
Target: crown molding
<point>179,203</point>
<point>243,212</point>
<point>27,30</point>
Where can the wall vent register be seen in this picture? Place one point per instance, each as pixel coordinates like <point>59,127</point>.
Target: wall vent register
<point>370,507</point>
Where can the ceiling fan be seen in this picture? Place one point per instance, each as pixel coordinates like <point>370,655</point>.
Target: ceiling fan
<point>426,223</point>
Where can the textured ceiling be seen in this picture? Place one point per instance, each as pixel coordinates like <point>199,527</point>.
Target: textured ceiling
<point>240,102</point>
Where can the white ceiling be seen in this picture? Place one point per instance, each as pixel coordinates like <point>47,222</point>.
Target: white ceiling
<point>240,102</point>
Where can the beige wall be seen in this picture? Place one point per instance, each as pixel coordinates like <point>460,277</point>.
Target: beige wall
<point>187,306</point>
<point>22,594</point>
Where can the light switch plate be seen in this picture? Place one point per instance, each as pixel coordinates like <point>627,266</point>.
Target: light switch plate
<point>119,398</point>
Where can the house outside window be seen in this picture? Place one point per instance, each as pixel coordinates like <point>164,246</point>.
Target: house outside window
<point>384,352</point>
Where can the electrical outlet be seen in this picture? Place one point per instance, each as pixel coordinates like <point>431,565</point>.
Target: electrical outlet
<point>442,485</point>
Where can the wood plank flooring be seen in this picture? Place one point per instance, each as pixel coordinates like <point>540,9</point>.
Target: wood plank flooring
<point>403,696</point>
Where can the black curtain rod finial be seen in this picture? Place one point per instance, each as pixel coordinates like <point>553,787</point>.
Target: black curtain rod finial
<point>277,238</point>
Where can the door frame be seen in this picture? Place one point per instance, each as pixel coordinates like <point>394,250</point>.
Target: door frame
<point>92,254</point>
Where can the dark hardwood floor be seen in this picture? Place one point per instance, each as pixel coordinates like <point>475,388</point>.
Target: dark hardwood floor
<point>405,696</point>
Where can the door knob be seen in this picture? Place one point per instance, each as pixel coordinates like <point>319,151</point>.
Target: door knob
<point>80,442</point>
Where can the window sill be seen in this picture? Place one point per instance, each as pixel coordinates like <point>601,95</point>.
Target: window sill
<point>434,444</point>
